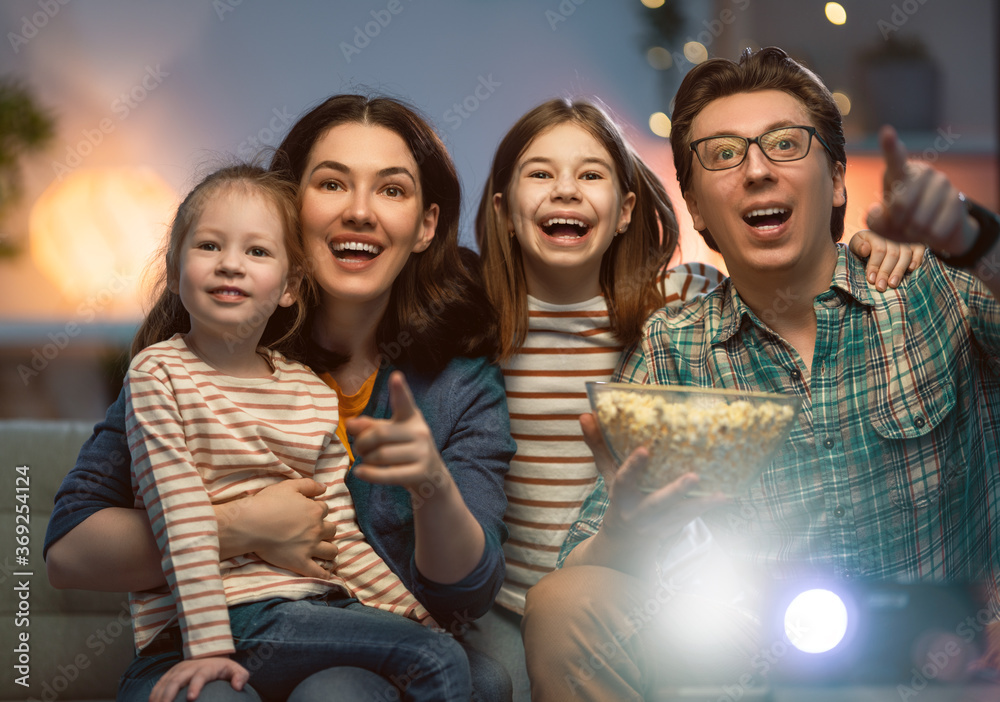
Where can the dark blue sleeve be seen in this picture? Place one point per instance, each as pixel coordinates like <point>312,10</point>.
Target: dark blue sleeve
<point>477,451</point>
<point>101,477</point>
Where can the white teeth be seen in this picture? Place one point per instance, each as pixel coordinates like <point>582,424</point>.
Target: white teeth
<point>563,220</point>
<point>233,293</point>
<point>767,211</point>
<point>356,246</point>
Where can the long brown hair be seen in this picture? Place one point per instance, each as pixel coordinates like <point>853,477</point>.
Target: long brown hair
<point>630,266</point>
<point>437,300</point>
<point>767,69</point>
<point>167,315</point>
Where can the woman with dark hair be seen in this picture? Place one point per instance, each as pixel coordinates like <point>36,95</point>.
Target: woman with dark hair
<point>379,204</point>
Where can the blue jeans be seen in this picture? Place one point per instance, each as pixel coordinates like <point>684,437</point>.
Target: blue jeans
<point>284,642</point>
<point>498,634</point>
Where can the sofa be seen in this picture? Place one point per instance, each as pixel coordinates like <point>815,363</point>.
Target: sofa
<point>65,644</point>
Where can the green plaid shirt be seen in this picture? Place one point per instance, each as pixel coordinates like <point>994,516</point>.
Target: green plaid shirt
<point>892,470</point>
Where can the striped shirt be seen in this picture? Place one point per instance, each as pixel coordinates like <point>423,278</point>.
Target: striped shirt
<point>553,470</point>
<point>199,437</point>
<point>891,471</point>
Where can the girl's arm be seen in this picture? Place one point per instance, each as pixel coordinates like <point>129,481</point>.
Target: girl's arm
<point>180,511</point>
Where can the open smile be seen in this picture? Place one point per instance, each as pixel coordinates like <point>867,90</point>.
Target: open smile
<point>355,251</point>
<point>567,229</point>
<point>767,219</point>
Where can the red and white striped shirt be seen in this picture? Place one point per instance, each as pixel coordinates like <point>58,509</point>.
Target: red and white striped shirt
<point>553,471</point>
<point>199,437</point>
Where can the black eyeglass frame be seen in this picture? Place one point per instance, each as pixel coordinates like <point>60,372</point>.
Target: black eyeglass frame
<point>813,132</point>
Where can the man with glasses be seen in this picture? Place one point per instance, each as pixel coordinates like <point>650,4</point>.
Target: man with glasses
<point>892,472</point>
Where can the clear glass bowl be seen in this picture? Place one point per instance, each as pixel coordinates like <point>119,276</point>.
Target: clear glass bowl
<point>727,437</point>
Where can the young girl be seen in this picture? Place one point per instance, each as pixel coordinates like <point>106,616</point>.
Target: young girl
<point>575,233</point>
<point>217,413</point>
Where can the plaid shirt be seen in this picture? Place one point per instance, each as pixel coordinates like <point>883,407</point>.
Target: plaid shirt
<point>892,470</point>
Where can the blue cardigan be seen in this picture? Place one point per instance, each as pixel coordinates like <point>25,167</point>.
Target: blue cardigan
<point>466,410</point>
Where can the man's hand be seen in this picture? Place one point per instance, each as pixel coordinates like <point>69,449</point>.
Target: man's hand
<point>919,204</point>
<point>194,673</point>
<point>635,523</point>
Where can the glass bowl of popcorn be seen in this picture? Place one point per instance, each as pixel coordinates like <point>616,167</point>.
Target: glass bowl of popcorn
<point>727,437</point>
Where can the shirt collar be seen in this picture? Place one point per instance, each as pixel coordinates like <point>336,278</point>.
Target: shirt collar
<point>848,277</point>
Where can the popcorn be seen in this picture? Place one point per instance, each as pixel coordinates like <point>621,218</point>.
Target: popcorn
<point>726,438</point>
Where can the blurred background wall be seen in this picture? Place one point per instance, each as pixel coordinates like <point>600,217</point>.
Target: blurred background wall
<point>135,99</point>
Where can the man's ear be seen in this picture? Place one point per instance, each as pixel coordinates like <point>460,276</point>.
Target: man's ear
<point>694,210</point>
<point>839,185</point>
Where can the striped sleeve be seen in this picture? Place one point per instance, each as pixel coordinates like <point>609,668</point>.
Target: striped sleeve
<point>180,513</point>
<point>687,281</point>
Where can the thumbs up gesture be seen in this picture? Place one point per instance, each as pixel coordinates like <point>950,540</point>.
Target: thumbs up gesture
<point>399,450</point>
<point>919,204</point>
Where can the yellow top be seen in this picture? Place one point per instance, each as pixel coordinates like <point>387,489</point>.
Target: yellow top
<point>350,406</point>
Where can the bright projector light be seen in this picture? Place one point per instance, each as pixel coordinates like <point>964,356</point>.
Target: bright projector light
<point>816,621</point>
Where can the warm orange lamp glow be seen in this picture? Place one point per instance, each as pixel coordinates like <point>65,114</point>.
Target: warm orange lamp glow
<point>93,232</point>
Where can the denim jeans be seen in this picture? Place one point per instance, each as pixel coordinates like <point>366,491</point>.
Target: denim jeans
<point>498,634</point>
<point>283,642</point>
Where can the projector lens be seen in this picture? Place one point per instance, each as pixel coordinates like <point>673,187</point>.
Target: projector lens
<point>816,621</point>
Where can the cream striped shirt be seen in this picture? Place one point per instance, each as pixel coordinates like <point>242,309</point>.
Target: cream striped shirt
<point>199,437</point>
<point>553,470</point>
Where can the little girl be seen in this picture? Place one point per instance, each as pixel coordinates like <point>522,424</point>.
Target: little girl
<point>575,233</point>
<point>216,413</point>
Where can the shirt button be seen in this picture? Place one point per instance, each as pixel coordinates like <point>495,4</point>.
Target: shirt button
<point>919,422</point>
<point>839,512</point>
<point>796,374</point>
<point>828,443</point>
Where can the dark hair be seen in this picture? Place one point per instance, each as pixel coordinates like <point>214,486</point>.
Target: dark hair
<point>167,315</point>
<point>436,300</point>
<point>630,266</point>
<point>767,69</point>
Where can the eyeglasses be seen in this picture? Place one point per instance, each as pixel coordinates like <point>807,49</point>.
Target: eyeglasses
<point>718,153</point>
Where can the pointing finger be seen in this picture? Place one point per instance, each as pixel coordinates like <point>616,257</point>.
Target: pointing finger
<point>400,398</point>
<point>895,155</point>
